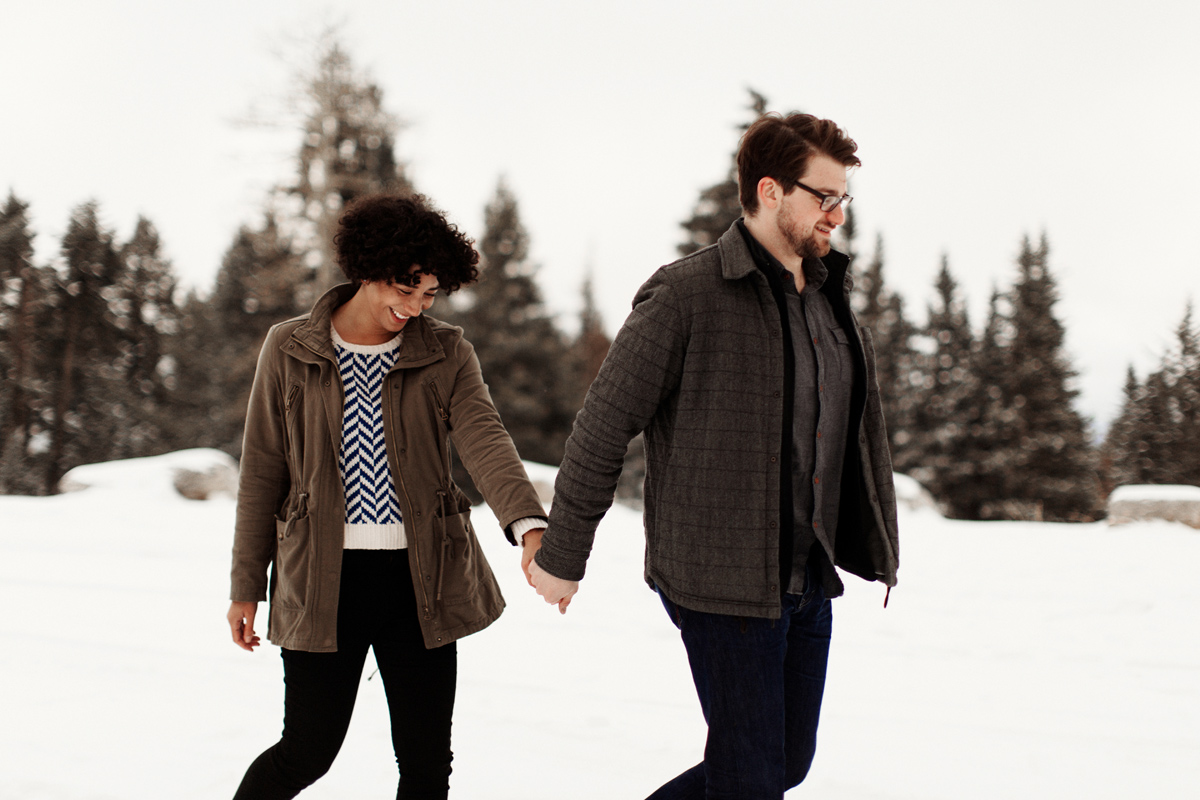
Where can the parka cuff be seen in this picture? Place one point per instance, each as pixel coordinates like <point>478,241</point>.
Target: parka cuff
<point>523,526</point>
<point>247,593</point>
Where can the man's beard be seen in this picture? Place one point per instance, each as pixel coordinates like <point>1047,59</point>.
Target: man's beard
<point>804,246</point>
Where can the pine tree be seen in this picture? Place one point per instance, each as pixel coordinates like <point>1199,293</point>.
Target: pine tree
<point>347,150</point>
<point>202,359</point>
<point>147,316</point>
<point>900,379</point>
<point>1153,439</point>
<point>524,357</point>
<point>16,260</point>
<point>262,281</point>
<point>992,429</point>
<point>1052,473</point>
<point>90,410</point>
<point>947,404</point>
<point>591,346</point>
<point>718,206</point>
<point>1120,454</point>
<point>26,301</point>
<point>1182,374</point>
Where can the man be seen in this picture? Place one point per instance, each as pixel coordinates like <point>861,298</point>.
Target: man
<point>766,459</point>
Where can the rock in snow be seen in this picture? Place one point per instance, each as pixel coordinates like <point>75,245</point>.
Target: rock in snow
<point>1173,503</point>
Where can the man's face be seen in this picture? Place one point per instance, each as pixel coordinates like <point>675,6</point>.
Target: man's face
<point>806,228</point>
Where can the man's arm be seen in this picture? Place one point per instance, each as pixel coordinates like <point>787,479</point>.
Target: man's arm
<point>641,370</point>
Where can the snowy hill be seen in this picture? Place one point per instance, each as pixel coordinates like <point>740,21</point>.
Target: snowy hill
<point>1014,660</point>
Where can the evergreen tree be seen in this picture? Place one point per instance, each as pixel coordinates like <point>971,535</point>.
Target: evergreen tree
<point>262,281</point>
<point>147,316</point>
<point>994,430</point>
<point>1121,455</point>
<point>1153,439</point>
<point>26,302</point>
<point>900,379</point>
<point>946,406</point>
<point>718,206</point>
<point>16,261</point>
<point>1052,471</point>
<point>347,150</point>
<point>591,346</point>
<point>89,410</point>
<point>1181,372</point>
<point>197,378</point>
<point>524,357</point>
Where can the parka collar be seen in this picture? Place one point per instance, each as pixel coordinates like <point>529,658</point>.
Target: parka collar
<point>420,346</point>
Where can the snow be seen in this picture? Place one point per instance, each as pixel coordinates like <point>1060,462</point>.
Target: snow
<point>1142,492</point>
<point>1014,660</point>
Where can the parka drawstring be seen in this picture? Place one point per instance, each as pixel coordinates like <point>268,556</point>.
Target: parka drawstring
<point>442,494</point>
<point>299,511</point>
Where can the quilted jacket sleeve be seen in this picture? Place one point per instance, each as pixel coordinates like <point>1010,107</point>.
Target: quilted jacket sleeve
<point>641,371</point>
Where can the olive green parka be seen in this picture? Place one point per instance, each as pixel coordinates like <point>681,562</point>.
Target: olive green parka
<point>291,505</point>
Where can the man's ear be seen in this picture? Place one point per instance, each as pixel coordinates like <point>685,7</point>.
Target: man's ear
<point>770,193</point>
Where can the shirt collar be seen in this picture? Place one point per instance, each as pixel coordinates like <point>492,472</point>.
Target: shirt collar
<point>815,272</point>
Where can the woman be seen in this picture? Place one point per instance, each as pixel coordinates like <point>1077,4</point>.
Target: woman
<point>345,493</point>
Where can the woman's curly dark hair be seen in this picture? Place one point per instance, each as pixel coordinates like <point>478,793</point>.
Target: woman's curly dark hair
<point>381,237</point>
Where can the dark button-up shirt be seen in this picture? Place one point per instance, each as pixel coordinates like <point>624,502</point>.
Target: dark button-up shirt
<point>822,376</point>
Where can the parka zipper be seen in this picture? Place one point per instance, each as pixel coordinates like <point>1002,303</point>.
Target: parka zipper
<point>300,508</point>
<point>439,405</point>
<point>413,549</point>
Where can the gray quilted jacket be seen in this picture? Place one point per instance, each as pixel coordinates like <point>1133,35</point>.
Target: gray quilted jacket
<point>698,366</point>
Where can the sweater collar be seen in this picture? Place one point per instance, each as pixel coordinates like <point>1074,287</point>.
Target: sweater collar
<point>420,345</point>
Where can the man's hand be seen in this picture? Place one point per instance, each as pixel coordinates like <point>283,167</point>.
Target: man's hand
<point>554,590</point>
<point>241,624</point>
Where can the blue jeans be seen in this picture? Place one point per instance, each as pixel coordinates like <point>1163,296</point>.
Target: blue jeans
<point>760,683</point>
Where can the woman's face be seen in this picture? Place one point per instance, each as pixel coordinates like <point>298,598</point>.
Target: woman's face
<point>391,305</point>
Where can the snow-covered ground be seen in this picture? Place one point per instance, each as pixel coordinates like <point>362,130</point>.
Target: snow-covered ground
<point>1014,660</point>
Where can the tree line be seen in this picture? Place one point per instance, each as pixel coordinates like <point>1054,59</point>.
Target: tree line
<point>984,417</point>
<point>102,360</point>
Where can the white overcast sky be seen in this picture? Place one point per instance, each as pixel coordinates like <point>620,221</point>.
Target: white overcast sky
<point>978,122</point>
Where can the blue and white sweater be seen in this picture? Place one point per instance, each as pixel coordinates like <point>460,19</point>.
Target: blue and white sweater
<point>373,518</point>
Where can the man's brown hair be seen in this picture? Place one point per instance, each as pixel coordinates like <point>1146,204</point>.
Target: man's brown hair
<point>779,147</point>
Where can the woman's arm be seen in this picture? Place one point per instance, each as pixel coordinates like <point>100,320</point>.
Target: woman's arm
<point>486,449</point>
<point>263,479</point>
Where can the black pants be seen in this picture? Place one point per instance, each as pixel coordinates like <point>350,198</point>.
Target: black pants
<point>377,609</point>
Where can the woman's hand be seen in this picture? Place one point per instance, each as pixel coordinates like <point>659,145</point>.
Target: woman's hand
<point>241,624</point>
<point>531,543</point>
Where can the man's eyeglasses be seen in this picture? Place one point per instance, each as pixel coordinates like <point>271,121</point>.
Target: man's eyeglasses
<point>828,201</point>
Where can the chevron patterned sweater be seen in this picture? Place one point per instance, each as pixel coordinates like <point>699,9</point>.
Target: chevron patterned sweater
<point>373,520</point>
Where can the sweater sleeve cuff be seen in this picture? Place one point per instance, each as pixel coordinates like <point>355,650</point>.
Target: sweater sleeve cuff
<point>523,526</point>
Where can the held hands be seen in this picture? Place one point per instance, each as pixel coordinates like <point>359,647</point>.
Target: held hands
<point>553,590</point>
<point>241,624</point>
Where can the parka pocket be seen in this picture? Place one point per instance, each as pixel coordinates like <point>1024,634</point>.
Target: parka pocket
<point>459,574</point>
<point>290,577</point>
